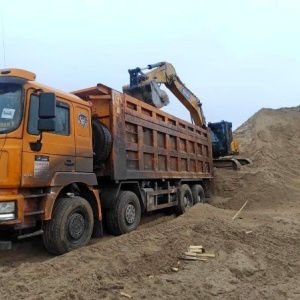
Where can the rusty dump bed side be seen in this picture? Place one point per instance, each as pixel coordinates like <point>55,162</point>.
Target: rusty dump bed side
<point>147,142</point>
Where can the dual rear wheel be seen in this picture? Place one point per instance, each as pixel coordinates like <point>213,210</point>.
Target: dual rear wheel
<point>125,215</point>
<point>187,197</point>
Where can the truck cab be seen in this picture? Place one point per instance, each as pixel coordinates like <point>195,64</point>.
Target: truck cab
<point>45,147</point>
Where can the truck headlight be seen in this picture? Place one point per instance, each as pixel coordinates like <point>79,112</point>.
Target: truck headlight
<point>7,210</point>
<point>7,207</point>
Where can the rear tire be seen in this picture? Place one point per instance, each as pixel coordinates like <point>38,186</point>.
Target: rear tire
<point>198,194</point>
<point>125,215</point>
<point>185,200</point>
<point>71,226</point>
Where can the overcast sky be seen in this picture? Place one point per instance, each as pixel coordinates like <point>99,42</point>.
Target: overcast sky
<point>236,56</point>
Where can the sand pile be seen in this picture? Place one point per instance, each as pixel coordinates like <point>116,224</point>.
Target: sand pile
<point>140,264</point>
<point>257,254</point>
<point>271,138</point>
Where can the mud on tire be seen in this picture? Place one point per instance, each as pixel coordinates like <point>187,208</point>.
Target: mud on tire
<point>71,226</point>
<point>185,200</point>
<point>125,215</point>
<point>198,194</point>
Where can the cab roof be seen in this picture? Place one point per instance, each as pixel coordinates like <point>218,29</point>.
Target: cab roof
<point>20,73</point>
<point>27,77</point>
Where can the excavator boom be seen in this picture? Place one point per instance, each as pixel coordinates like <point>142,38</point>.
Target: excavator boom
<point>146,88</point>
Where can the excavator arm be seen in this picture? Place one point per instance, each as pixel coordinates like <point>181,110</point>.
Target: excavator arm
<point>145,87</point>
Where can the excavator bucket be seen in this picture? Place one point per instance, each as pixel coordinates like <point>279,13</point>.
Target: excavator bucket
<point>148,92</point>
<point>157,97</point>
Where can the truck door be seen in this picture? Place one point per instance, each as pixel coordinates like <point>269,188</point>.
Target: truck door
<point>57,153</point>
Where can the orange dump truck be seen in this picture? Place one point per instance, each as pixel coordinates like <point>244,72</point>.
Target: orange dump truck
<point>70,160</point>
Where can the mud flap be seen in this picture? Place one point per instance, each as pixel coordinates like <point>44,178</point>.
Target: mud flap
<point>98,229</point>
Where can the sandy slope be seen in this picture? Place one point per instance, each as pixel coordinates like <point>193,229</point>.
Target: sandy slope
<point>260,264</point>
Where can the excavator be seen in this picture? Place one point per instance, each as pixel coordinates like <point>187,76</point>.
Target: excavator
<point>146,87</point>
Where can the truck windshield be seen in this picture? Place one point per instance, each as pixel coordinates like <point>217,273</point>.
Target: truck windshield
<point>10,106</point>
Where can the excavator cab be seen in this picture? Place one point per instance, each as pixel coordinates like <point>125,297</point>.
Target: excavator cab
<point>225,149</point>
<point>222,140</point>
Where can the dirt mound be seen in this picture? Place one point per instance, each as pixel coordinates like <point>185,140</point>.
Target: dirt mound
<point>140,263</point>
<point>256,254</point>
<point>271,138</point>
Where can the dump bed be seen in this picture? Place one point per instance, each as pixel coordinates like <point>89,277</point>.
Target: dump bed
<point>148,143</point>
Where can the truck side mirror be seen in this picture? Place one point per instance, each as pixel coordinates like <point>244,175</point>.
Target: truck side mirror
<point>47,106</point>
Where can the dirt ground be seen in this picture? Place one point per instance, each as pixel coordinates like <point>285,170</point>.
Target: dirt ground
<point>257,254</point>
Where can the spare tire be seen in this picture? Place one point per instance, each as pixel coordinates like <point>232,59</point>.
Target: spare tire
<point>101,142</point>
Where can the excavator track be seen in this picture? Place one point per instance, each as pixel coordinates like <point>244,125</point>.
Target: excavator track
<point>244,161</point>
<point>231,163</point>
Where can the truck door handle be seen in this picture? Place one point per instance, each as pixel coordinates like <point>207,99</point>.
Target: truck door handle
<point>69,163</point>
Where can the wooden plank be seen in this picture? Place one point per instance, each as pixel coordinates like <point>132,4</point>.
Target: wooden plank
<point>196,250</point>
<point>240,210</point>
<point>192,258</point>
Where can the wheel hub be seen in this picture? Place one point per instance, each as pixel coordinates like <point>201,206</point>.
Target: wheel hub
<point>76,225</point>
<point>186,201</point>
<point>130,213</point>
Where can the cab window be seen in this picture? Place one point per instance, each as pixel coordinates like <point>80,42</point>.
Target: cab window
<point>11,106</point>
<point>62,117</point>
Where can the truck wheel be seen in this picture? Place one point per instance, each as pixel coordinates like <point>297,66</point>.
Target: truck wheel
<point>125,215</point>
<point>198,194</point>
<point>185,200</point>
<point>101,142</point>
<point>71,226</point>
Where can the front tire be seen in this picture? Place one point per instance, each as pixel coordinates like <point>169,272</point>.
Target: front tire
<point>70,227</point>
<point>125,215</point>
